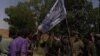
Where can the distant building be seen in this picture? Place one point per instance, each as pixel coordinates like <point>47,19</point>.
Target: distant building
<point>4,33</point>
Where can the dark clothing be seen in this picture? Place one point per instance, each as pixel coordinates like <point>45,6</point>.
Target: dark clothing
<point>89,49</point>
<point>53,48</point>
<point>65,47</point>
<point>98,47</point>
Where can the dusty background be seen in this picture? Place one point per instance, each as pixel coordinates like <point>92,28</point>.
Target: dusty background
<point>4,33</point>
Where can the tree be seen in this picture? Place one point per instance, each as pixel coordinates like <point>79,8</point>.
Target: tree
<point>96,14</point>
<point>20,17</point>
<point>41,8</point>
<point>77,16</point>
<point>80,15</point>
<point>27,15</point>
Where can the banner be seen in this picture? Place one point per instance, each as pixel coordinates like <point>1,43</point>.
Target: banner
<point>55,16</point>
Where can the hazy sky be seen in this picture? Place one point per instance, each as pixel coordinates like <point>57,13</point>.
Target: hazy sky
<point>6,3</point>
<point>95,3</point>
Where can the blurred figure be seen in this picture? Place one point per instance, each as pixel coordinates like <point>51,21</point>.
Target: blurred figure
<point>97,42</point>
<point>30,44</point>
<point>0,38</point>
<point>53,46</point>
<point>76,44</point>
<point>49,45</point>
<point>13,35</point>
<point>44,38</point>
<point>0,41</point>
<point>65,48</point>
<point>57,45</point>
<point>4,43</point>
<point>35,41</point>
<point>90,45</point>
<point>18,46</point>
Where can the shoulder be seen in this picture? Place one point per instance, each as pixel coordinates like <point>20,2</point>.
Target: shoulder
<point>19,38</point>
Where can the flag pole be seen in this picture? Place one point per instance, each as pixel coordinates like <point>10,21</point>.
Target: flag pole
<point>67,27</point>
<point>66,18</point>
<point>69,34</point>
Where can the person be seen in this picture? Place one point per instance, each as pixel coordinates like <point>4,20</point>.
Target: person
<point>93,42</point>
<point>0,38</point>
<point>18,46</point>
<point>4,43</point>
<point>49,45</point>
<point>65,48</point>
<point>53,46</point>
<point>0,41</point>
<point>76,44</point>
<point>90,45</point>
<point>30,44</point>
<point>57,45</point>
<point>97,43</point>
<point>35,41</point>
<point>12,35</point>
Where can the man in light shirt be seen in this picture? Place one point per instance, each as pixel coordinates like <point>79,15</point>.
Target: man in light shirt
<point>4,43</point>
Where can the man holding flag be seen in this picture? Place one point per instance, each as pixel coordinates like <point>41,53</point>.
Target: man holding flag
<point>55,16</point>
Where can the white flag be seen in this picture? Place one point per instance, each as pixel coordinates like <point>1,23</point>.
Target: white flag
<point>55,16</point>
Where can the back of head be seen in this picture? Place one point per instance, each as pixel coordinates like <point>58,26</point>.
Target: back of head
<point>74,33</point>
<point>35,36</point>
<point>23,33</point>
<point>12,32</point>
<point>89,35</point>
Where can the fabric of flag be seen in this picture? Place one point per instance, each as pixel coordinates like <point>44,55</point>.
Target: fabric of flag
<point>55,16</point>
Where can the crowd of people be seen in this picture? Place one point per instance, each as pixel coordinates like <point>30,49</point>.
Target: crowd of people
<point>23,43</point>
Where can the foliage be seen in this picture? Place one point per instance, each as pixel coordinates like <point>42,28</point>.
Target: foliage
<point>20,17</point>
<point>27,15</point>
<point>80,17</point>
